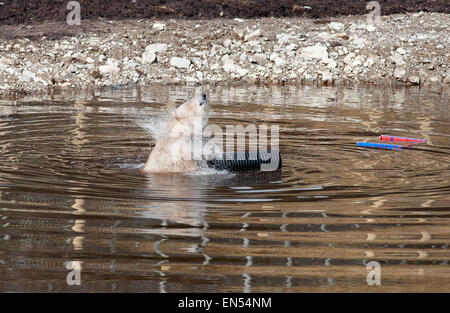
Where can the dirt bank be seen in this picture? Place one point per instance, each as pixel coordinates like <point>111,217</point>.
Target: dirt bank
<point>13,12</point>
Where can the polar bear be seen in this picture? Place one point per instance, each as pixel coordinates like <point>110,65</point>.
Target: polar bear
<point>173,151</point>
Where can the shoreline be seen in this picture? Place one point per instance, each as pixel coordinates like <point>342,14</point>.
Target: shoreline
<point>400,50</point>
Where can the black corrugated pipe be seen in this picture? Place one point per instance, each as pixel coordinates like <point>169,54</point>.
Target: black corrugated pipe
<point>247,161</point>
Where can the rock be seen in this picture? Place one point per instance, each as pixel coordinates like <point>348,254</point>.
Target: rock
<point>199,75</point>
<point>227,43</point>
<point>291,47</point>
<point>414,80</point>
<point>156,47</point>
<point>398,59</point>
<point>284,39</point>
<point>337,26</point>
<point>369,62</point>
<point>180,62</point>
<point>72,68</point>
<point>359,42</point>
<point>241,71</point>
<point>191,80</point>
<point>334,54</point>
<point>315,52</point>
<point>327,77</point>
<point>435,79</point>
<point>253,34</point>
<point>349,58</point>
<point>260,58</point>
<point>273,56</point>
<point>401,51</point>
<point>279,61</point>
<point>238,33</point>
<point>399,73</point>
<point>148,57</point>
<point>331,64</point>
<point>324,36</point>
<point>108,69</point>
<point>27,76</point>
<point>343,36</point>
<point>230,67</point>
<point>371,28</point>
<point>159,26</point>
<point>90,60</point>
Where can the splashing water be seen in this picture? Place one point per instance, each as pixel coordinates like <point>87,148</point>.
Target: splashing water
<point>156,125</point>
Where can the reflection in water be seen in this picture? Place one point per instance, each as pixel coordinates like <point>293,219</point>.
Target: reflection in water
<point>71,191</point>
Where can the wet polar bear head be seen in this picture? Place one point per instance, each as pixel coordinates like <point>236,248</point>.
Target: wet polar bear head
<point>173,151</point>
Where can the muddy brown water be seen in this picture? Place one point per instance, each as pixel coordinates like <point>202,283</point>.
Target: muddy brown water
<point>71,191</point>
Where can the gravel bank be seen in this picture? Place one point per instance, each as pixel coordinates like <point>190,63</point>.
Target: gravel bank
<point>402,49</point>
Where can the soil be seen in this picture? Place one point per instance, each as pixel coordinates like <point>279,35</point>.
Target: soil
<point>13,12</point>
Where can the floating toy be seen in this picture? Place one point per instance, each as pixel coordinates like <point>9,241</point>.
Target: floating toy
<point>246,161</point>
<point>378,145</point>
<point>401,139</point>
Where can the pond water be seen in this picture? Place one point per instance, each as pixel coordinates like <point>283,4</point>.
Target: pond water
<point>73,201</point>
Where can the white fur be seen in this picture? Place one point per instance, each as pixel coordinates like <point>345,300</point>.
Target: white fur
<point>172,153</point>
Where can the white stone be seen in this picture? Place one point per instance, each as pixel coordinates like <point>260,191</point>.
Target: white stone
<point>324,36</point>
<point>72,68</point>
<point>348,69</point>
<point>349,58</point>
<point>414,80</point>
<point>90,60</point>
<point>401,51</point>
<point>327,77</point>
<point>337,26</point>
<point>180,62</point>
<point>159,26</point>
<point>291,47</point>
<point>260,57</point>
<point>398,59</point>
<point>230,67</point>
<point>190,79</point>
<point>241,71</point>
<point>435,79</point>
<point>399,73</point>
<point>369,62</point>
<point>156,47</point>
<point>108,69</point>
<point>284,39</point>
<point>371,28</point>
<point>273,56</point>
<point>315,52</point>
<point>227,43</point>
<point>331,64</point>
<point>252,35</point>
<point>148,57</point>
<point>279,61</point>
<point>239,33</point>
<point>27,76</point>
<point>359,42</point>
